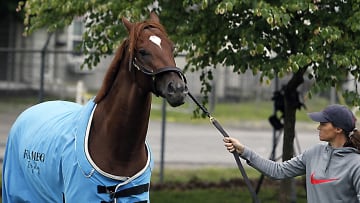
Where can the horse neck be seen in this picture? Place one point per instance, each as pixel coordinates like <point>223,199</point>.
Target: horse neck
<point>125,116</point>
<point>120,125</point>
<point>125,111</point>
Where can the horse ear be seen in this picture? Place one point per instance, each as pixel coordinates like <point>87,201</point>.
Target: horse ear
<point>154,17</point>
<point>127,24</point>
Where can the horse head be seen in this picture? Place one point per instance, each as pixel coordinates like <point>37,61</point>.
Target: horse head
<point>151,52</point>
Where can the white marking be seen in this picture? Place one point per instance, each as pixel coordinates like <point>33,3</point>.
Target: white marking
<point>156,40</point>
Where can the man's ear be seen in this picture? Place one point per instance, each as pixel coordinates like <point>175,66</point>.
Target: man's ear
<point>339,130</point>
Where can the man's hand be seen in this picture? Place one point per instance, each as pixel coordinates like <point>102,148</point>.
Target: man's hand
<point>233,144</point>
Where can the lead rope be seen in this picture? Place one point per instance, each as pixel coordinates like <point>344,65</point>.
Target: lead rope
<point>236,156</point>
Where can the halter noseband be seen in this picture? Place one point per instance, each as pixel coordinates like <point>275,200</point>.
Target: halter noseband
<point>153,73</point>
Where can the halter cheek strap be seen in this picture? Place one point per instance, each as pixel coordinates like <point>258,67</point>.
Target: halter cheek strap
<point>153,73</point>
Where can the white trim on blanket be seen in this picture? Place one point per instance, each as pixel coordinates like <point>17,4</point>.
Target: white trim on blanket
<point>115,177</point>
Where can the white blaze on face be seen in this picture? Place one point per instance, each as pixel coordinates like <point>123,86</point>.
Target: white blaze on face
<point>156,40</point>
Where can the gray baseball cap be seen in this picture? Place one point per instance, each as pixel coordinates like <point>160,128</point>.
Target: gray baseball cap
<point>340,116</point>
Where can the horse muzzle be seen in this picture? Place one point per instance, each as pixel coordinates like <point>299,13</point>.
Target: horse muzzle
<point>168,82</point>
<point>176,93</point>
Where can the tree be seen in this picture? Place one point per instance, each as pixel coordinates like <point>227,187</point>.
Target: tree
<point>318,39</point>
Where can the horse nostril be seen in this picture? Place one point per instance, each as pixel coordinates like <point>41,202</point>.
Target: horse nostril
<point>177,88</point>
<point>171,88</point>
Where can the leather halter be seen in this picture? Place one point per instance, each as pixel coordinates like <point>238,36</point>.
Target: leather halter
<point>153,73</point>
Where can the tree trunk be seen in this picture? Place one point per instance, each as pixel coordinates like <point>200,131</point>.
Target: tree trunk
<point>291,105</point>
<point>288,151</point>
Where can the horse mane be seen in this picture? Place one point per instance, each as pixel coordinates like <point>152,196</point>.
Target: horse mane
<point>129,45</point>
<point>111,72</point>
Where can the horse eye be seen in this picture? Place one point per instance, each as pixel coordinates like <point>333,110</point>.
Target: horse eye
<point>143,52</point>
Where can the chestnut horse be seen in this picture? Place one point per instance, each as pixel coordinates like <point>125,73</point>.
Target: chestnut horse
<point>60,151</point>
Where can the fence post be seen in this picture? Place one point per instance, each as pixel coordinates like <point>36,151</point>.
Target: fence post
<point>42,70</point>
<point>163,129</point>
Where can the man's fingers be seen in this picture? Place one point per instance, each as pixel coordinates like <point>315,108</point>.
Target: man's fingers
<point>230,148</point>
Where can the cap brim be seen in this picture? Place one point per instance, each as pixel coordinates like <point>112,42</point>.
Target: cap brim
<point>318,117</point>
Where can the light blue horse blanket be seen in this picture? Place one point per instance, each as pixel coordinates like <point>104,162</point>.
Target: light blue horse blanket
<point>46,160</point>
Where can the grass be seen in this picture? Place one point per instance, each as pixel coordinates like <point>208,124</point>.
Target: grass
<point>227,186</point>
<point>9,104</point>
<point>212,174</point>
<point>229,195</point>
<point>223,195</point>
<point>231,112</point>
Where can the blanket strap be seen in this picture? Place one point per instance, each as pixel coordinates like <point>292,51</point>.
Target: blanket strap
<point>123,193</point>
